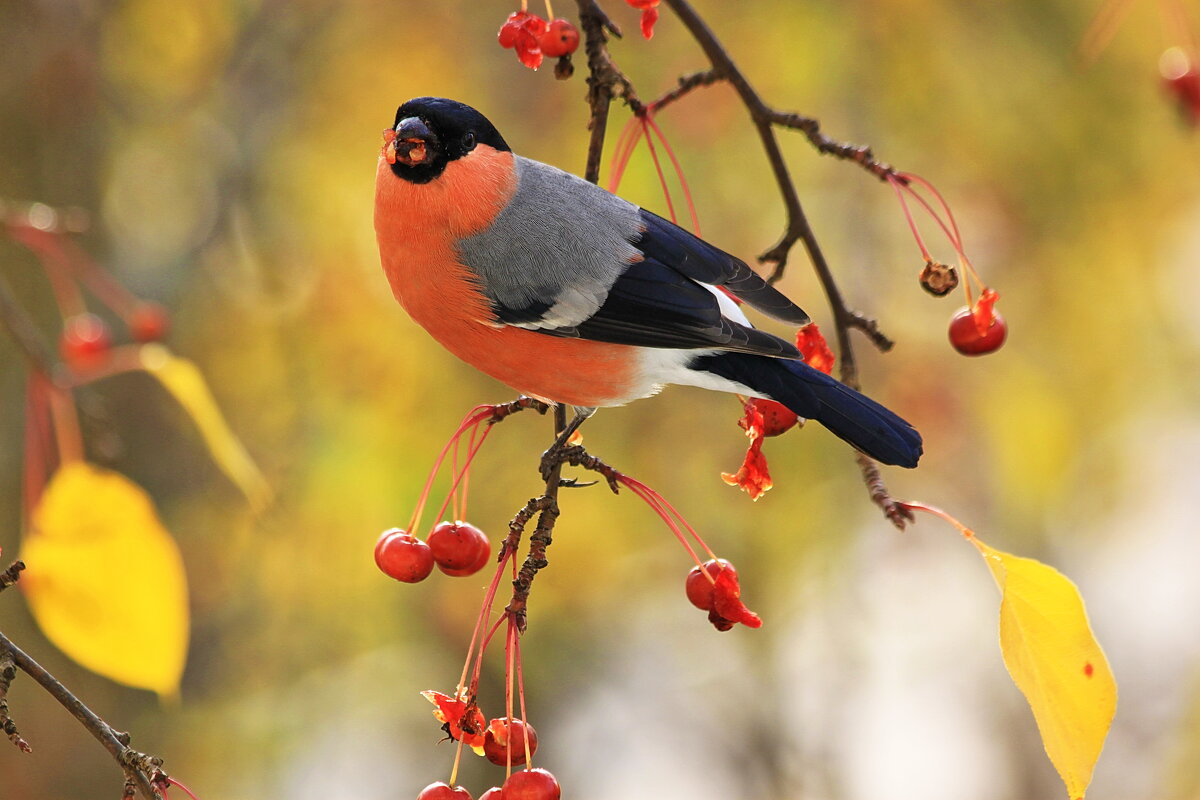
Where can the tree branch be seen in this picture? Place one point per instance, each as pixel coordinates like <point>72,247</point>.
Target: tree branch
<point>136,766</point>
<point>797,227</point>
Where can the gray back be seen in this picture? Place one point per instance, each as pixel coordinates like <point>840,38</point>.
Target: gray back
<point>560,242</point>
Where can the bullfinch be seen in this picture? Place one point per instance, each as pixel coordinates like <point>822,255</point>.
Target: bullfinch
<point>569,294</point>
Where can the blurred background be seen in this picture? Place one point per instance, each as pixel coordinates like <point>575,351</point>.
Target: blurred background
<point>225,153</point>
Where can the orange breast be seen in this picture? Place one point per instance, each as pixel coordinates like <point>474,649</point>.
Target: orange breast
<point>416,226</point>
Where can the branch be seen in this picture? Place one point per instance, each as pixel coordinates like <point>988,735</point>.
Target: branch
<point>136,766</point>
<point>798,229</point>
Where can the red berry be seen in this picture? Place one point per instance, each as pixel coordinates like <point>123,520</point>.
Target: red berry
<point>530,784</point>
<point>149,323</point>
<point>1182,80</point>
<point>403,556</point>
<point>493,793</point>
<point>443,791</point>
<point>643,4</point>
<point>459,548</point>
<point>85,341</point>
<point>501,737</point>
<point>699,588</point>
<point>777,418</point>
<point>560,39</point>
<point>966,338</point>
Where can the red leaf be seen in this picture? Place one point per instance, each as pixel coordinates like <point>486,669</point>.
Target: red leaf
<point>814,348</point>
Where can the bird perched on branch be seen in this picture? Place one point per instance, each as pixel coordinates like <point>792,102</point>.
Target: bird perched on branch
<point>569,294</point>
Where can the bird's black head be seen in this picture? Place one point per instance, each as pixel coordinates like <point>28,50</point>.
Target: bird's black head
<point>430,132</point>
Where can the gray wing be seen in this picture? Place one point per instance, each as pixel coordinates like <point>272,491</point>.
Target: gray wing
<point>567,258</point>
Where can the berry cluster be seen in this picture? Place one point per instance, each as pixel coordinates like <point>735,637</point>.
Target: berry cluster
<point>458,548</point>
<point>533,38</point>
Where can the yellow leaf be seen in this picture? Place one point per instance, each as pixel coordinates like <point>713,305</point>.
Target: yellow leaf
<point>183,380</point>
<point>105,580</point>
<point>1056,662</point>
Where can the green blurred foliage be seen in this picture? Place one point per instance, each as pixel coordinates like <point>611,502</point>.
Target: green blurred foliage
<point>225,152</point>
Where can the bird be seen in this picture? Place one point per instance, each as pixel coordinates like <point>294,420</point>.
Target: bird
<point>570,294</point>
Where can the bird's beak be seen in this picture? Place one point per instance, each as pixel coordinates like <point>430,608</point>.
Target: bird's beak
<point>414,143</point>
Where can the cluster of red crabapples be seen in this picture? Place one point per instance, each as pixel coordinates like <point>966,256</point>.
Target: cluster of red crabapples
<point>458,548</point>
<point>533,38</point>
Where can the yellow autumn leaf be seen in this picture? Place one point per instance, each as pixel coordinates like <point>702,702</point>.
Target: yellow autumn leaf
<point>186,384</point>
<point>1056,662</point>
<point>105,580</point>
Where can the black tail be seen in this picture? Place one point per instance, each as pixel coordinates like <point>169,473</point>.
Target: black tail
<point>812,394</point>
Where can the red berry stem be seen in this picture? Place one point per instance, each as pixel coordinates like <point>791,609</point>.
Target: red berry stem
<point>521,699</point>
<point>662,179</point>
<point>509,670</point>
<point>489,597</point>
<point>623,151</point>
<point>49,251</point>
<point>899,187</point>
<point>474,417</point>
<point>683,184</point>
<point>913,505</point>
<point>669,514</point>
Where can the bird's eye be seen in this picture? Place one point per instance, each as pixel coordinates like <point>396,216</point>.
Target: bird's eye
<point>468,142</point>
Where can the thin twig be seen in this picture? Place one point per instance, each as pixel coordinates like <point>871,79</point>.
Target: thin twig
<point>8,672</point>
<point>9,576</point>
<point>133,763</point>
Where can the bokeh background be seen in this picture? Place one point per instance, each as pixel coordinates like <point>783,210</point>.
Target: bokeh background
<point>225,153</point>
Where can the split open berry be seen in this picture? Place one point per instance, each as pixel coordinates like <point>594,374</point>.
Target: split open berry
<point>403,556</point>
<point>776,417</point>
<point>443,791</point>
<point>149,322</point>
<point>459,548</point>
<point>938,279</point>
<point>968,339</point>
<point>531,784</point>
<point>85,341</point>
<point>502,737</point>
<point>699,588</point>
<point>521,32</point>
<point>560,39</point>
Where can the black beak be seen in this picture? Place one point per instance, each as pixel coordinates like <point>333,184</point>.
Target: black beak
<point>415,143</point>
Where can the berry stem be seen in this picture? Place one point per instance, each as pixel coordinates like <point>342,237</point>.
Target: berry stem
<point>474,416</point>
<point>662,179</point>
<point>683,184</point>
<point>509,676</point>
<point>37,443</point>
<point>899,187</point>
<point>489,597</point>
<point>457,760</point>
<point>460,476</point>
<point>665,510</point>
<point>626,145</point>
<point>912,505</point>
<point>521,699</point>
